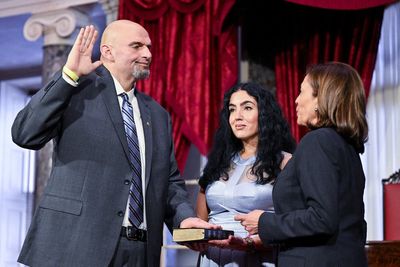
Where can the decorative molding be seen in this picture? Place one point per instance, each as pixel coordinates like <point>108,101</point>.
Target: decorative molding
<point>13,7</point>
<point>110,8</point>
<point>57,26</point>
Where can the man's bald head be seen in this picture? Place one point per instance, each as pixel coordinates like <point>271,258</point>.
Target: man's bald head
<point>117,28</point>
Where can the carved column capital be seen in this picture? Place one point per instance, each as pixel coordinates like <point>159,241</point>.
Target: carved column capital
<point>57,26</point>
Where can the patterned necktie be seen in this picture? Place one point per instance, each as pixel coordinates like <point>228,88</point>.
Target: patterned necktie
<point>135,215</point>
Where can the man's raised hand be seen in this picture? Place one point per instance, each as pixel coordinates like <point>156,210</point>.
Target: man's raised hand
<point>80,58</point>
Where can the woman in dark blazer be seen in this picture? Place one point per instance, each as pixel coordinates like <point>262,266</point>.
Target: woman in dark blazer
<point>318,197</point>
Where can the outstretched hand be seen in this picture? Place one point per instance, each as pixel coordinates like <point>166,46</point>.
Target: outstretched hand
<point>80,58</point>
<point>249,243</point>
<point>233,242</point>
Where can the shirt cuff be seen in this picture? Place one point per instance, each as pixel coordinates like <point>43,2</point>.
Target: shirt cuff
<point>69,80</point>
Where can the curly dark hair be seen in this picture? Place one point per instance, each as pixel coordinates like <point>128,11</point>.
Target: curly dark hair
<point>273,137</point>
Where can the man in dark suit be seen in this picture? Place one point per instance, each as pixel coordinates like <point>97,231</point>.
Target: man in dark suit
<point>86,216</point>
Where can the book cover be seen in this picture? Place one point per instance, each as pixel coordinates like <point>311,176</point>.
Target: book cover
<point>199,234</point>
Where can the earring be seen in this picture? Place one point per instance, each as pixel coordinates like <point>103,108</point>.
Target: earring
<point>316,109</point>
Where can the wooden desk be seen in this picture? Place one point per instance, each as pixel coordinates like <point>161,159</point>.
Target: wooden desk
<point>383,253</point>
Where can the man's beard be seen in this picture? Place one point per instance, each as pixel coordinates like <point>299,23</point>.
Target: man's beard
<point>140,74</point>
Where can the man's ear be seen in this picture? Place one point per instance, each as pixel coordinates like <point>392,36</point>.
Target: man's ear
<point>106,52</point>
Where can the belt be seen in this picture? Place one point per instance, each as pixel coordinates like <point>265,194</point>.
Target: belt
<point>133,233</point>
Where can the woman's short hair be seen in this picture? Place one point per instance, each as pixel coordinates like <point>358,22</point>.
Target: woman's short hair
<point>341,101</point>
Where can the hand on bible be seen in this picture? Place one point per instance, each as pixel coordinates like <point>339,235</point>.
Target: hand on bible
<point>193,222</point>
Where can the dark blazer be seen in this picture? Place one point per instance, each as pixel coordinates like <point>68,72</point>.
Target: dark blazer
<point>319,209</point>
<point>79,218</point>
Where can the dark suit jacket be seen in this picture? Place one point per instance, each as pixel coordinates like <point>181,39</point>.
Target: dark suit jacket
<point>319,209</point>
<point>79,218</point>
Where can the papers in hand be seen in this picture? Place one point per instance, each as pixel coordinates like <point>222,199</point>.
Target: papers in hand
<point>229,209</point>
<point>236,212</point>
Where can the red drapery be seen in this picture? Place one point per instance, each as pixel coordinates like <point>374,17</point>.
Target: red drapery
<point>343,4</point>
<point>309,35</point>
<point>194,62</point>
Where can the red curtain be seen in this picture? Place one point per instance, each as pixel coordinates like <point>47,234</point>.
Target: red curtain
<point>343,4</point>
<point>194,62</point>
<point>309,35</point>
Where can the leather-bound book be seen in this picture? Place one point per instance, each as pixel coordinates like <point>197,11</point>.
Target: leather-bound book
<point>199,234</point>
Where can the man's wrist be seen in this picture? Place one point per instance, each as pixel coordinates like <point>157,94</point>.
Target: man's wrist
<point>72,75</point>
<point>69,80</point>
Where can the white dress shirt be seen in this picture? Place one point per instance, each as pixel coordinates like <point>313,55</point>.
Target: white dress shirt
<point>140,133</point>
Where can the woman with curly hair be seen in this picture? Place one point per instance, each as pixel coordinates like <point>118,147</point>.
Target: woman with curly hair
<point>251,146</point>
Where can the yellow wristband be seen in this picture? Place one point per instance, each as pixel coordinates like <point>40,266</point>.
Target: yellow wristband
<point>71,74</point>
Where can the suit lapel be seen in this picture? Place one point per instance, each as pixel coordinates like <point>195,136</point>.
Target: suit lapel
<point>107,90</point>
<point>110,98</point>
<point>148,133</point>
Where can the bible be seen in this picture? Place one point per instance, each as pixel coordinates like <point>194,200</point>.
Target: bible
<point>199,234</point>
